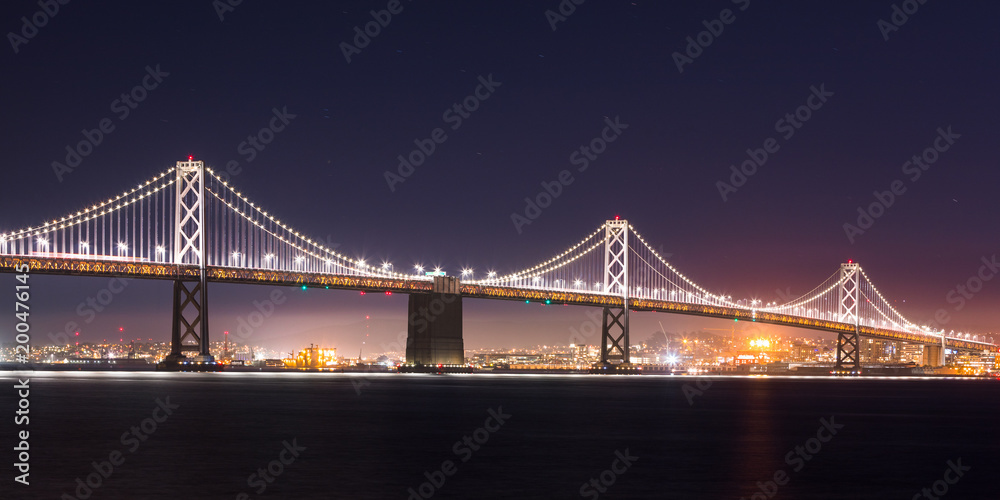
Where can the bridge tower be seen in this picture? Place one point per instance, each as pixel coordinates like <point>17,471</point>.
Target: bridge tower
<point>190,308</point>
<point>614,327</point>
<point>848,352</point>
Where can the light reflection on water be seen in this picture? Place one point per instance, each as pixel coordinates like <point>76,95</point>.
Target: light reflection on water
<point>373,435</point>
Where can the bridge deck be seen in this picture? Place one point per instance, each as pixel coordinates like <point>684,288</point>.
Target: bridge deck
<point>166,271</point>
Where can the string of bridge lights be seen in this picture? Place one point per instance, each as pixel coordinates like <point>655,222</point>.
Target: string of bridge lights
<point>906,324</point>
<point>801,301</point>
<point>884,301</point>
<point>674,270</point>
<point>360,264</point>
<point>85,215</point>
<point>528,272</point>
<point>668,280</point>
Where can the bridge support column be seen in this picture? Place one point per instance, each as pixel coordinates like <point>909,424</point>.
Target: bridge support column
<point>615,358</point>
<point>848,353</point>
<point>614,337</point>
<point>189,329</point>
<point>933,356</point>
<point>434,329</point>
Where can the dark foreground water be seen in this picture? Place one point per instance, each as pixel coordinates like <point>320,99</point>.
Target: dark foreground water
<point>376,436</point>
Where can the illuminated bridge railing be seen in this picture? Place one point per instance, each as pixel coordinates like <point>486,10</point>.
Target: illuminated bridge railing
<point>804,322</point>
<point>338,281</point>
<point>540,295</point>
<point>98,267</point>
<point>158,270</point>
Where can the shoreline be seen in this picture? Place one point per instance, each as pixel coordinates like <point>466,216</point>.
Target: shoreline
<point>816,372</point>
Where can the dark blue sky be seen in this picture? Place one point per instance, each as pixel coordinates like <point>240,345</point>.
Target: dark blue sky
<point>325,172</point>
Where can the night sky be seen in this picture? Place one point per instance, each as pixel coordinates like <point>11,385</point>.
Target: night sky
<point>780,232</point>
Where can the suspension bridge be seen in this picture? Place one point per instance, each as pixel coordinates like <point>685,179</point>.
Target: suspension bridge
<point>190,226</point>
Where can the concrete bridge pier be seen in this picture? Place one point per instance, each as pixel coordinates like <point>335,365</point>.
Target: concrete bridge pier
<point>434,329</point>
<point>933,356</point>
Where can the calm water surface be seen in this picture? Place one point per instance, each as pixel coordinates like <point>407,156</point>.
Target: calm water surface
<point>376,436</point>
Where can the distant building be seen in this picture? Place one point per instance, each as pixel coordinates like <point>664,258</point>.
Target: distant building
<point>910,352</point>
<point>313,357</point>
